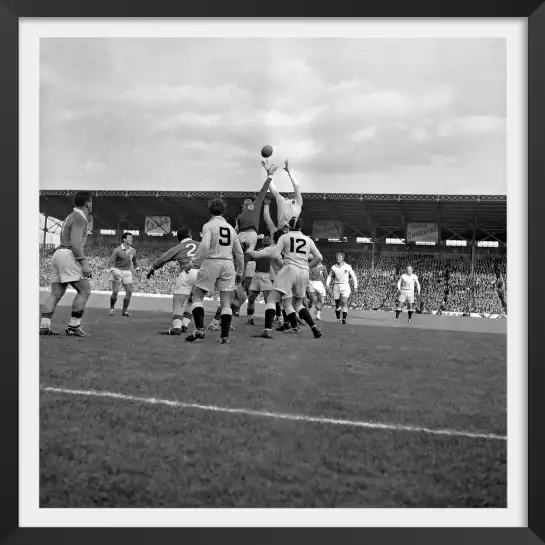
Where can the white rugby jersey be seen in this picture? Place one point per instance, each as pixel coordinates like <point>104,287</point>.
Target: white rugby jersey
<point>408,281</point>
<point>296,249</point>
<point>340,274</point>
<point>287,209</point>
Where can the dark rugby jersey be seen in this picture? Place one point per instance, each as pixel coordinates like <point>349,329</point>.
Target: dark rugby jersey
<point>249,217</point>
<point>74,233</point>
<point>122,258</point>
<point>318,273</point>
<point>183,253</point>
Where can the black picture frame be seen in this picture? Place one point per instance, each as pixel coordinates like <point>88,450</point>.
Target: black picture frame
<point>10,13</point>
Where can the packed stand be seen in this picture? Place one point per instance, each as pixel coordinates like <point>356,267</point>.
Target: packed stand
<point>446,284</point>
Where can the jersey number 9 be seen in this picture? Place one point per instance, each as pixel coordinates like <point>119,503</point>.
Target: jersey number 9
<point>225,236</point>
<point>301,245</point>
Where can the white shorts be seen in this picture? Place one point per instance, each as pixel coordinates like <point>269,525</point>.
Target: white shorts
<point>249,236</point>
<point>261,282</point>
<point>216,274</point>
<point>65,267</point>
<point>341,290</point>
<point>126,276</point>
<point>406,296</point>
<point>317,286</point>
<point>291,281</point>
<point>185,282</point>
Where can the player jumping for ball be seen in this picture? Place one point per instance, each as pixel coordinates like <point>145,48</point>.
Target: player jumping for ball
<point>70,267</point>
<point>405,288</point>
<point>290,206</point>
<point>182,253</point>
<point>340,273</point>
<point>291,281</point>
<point>221,263</point>
<point>121,262</point>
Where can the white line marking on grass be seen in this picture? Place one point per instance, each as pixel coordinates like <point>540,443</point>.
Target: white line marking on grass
<point>279,416</point>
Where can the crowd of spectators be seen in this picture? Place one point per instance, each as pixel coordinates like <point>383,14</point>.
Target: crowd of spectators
<point>447,285</point>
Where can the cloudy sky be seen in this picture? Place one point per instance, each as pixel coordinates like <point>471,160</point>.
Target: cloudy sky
<point>352,115</point>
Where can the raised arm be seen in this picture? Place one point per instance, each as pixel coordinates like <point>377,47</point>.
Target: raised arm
<point>295,183</point>
<point>261,195</point>
<point>267,217</point>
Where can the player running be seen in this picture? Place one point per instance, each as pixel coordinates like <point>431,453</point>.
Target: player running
<point>317,279</point>
<point>405,288</point>
<point>290,206</point>
<point>221,263</point>
<point>122,260</point>
<point>182,253</point>
<point>340,274</point>
<point>70,266</point>
<point>291,281</point>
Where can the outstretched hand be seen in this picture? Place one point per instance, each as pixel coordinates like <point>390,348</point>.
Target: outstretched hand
<point>270,169</point>
<point>286,166</point>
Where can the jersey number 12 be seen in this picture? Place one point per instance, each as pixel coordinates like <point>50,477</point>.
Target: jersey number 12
<point>301,245</point>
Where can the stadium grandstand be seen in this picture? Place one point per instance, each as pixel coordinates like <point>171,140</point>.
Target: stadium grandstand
<point>456,244</point>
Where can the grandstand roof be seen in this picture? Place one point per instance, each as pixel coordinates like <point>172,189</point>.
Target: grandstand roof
<point>361,214</point>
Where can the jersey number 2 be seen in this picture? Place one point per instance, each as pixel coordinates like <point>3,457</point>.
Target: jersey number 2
<point>225,236</point>
<point>300,249</point>
<point>191,251</point>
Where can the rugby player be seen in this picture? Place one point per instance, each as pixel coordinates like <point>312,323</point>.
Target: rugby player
<point>290,206</point>
<point>291,281</point>
<point>182,253</point>
<point>221,263</point>
<point>405,288</point>
<point>122,260</point>
<point>317,279</point>
<point>70,267</point>
<point>340,274</point>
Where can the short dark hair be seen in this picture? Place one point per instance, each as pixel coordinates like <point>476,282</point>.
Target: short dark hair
<point>125,235</point>
<point>231,221</point>
<point>217,207</point>
<point>82,197</point>
<point>183,232</point>
<point>277,235</point>
<point>296,224</point>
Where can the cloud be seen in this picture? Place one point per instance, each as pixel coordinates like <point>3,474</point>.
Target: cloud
<point>150,113</point>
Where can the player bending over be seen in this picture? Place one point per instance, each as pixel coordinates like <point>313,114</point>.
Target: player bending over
<point>182,253</point>
<point>290,206</point>
<point>340,274</point>
<point>405,288</point>
<point>317,279</point>
<point>121,262</point>
<point>221,263</point>
<point>291,281</point>
<point>70,266</point>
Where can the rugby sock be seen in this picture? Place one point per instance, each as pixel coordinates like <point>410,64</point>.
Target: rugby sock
<point>338,308</point>
<point>250,310</point>
<point>75,319</point>
<point>186,319</point>
<point>45,322</point>
<point>218,314</point>
<point>113,301</point>
<point>126,302</point>
<point>278,310</point>
<point>198,315</point>
<point>304,314</point>
<point>177,321</point>
<point>345,314</point>
<point>410,314</point>
<point>269,318</point>
<point>398,312</point>
<point>226,318</point>
<point>285,316</point>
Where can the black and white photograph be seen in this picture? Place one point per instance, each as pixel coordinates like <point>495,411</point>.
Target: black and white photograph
<point>273,271</point>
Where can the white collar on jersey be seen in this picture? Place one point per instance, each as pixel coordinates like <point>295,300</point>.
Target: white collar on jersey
<point>126,248</point>
<point>80,211</point>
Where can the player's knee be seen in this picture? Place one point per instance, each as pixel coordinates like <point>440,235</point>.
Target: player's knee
<point>128,289</point>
